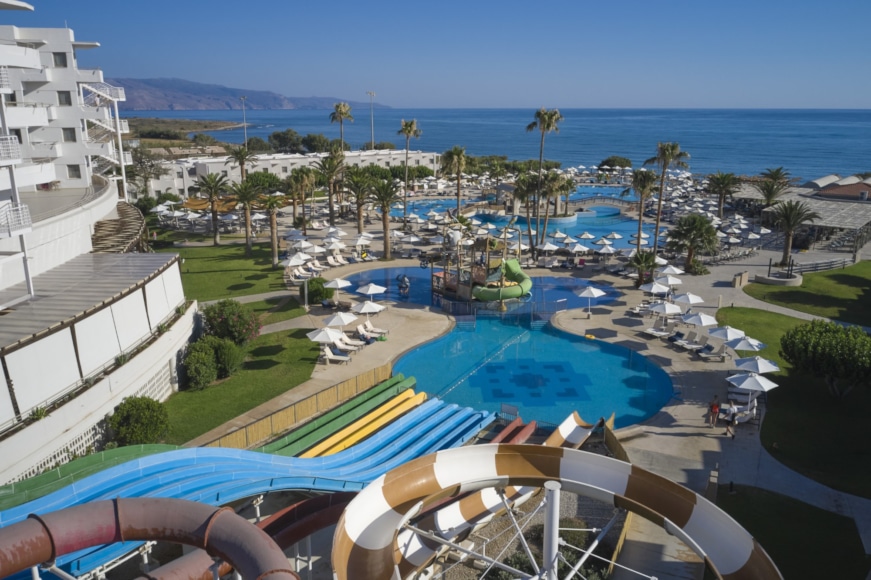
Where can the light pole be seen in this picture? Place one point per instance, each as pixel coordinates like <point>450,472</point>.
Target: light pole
<point>372,116</point>
<point>244,122</point>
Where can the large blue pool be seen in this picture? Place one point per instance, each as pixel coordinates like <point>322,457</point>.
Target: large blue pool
<point>544,372</point>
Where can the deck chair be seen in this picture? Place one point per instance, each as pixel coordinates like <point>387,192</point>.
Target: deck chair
<point>712,353</point>
<point>352,341</point>
<point>690,338</point>
<point>341,260</point>
<point>330,357</point>
<point>698,344</point>
<point>679,335</point>
<point>331,260</point>
<point>317,265</point>
<point>373,330</point>
<point>345,348</point>
<point>658,330</point>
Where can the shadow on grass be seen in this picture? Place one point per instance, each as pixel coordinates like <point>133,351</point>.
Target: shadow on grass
<point>266,351</point>
<point>257,277</point>
<point>851,280</point>
<point>260,364</point>
<point>237,287</point>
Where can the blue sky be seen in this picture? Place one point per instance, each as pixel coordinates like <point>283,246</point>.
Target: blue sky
<point>475,53</point>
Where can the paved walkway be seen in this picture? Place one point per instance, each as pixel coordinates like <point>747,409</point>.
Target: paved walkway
<point>676,443</point>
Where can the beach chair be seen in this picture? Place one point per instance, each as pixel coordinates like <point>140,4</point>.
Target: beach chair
<point>345,348</point>
<point>679,335</point>
<point>318,266</point>
<point>341,260</point>
<point>698,344</point>
<point>373,330</point>
<point>688,339</point>
<point>352,341</point>
<point>709,352</point>
<point>300,274</point>
<point>657,330</point>
<point>331,260</point>
<point>330,357</point>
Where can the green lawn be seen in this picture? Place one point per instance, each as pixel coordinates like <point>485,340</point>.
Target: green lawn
<point>804,428</point>
<point>843,294</point>
<point>804,541</point>
<point>216,272</point>
<point>274,310</point>
<point>276,363</point>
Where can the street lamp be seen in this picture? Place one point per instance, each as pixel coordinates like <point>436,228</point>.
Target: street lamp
<point>244,122</point>
<point>372,116</point>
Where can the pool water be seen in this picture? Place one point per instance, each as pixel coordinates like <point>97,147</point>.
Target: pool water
<point>545,372</point>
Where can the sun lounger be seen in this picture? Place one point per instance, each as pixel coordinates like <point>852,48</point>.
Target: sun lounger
<point>660,329</point>
<point>373,330</point>
<point>697,344</point>
<point>679,335</point>
<point>330,357</point>
<point>341,260</point>
<point>690,338</point>
<point>709,352</point>
<point>318,266</point>
<point>346,348</point>
<point>331,260</point>
<point>352,341</point>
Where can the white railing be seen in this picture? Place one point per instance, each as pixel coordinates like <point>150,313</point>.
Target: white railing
<point>10,149</point>
<point>5,83</point>
<point>14,218</point>
<point>107,90</point>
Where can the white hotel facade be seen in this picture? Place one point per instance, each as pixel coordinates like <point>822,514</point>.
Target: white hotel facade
<point>80,330</point>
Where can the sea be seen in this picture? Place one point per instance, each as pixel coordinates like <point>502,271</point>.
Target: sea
<point>809,143</point>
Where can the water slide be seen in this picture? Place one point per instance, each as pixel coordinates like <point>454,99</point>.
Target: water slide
<point>217,476</point>
<point>521,284</point>
<point>365,542</point>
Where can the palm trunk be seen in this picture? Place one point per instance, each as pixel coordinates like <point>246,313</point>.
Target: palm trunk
<point>216,234</point>
<point>690,255</point>
<point>273,234</point>
<point>459,193</point>
<point>533,250</point>
<point>330,203</point>
<point>248,231</point>
<point>294,209</point>
<point>538,191</point>
<point>405,188</point>
<point>659,210</point>
<point>720,205</point>
<point>640,224</point>
<point>385,225</point>
<point>543,234</point>
<point>359,217</point>
<point>787,247</point>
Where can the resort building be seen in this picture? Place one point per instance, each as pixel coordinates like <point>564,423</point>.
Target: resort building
<point>182,174</point>
<point>84,321</point>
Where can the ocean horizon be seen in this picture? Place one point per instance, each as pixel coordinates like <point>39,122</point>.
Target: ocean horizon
<point>809,143</point>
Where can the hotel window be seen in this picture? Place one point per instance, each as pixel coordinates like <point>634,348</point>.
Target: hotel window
<point>69,135</point>
<point>74,171</point>
<point>224,173</point>
<point>64,98</point>
<point>284,168</point>
<point>59,59</point>
<point>179,175</point>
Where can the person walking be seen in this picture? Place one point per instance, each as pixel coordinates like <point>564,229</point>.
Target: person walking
<point>713,411</point>
<point>730,426</point>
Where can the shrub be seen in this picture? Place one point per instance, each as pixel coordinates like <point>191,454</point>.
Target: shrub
<point>228,355</point>
<point>316,291</point>
<point>232,320</point>
<point>139,420</point>
<point>697,268</point>
<point>200,365</point>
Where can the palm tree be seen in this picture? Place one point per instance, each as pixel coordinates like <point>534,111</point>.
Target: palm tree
<point>643,184</point>
<point>554,185</point>
<point>722,185</point>
<point>246,194</point>
<point>242,157</point>
<point>385,194</point>
<point>359,182</point>
<point>453,162</point>
<point>524,190</point>
<point>667,154</point>
<point>546,121</point>
<point>409,129</point>
<point>789,216</point>
<point>273,203</point>
<point>770,190</point>
<point>777,174</point>
<point>213,186</point>
<point>341,111</point>
<point>330,168</point>
<point>300,181</point>
<point>644,263</point>
<point>691,234</point>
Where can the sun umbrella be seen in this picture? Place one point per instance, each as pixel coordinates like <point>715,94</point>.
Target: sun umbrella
<point>258,216</point>
<point>300,257</point>
<point>688,298</point>
<point>586,236</point>
<point>752,382</point>
<point>336,246</point>
<point>302,245</point>
<point>367,307</point>
<point>558,235</point>
<point>589,293</point>
<point>669,280</point>
<point>700,319</point>
<point>671,270</point>
<point>726,333</point>
<point>325,335</point>
<point>660,261</point>
<point>613,236</point>
<point>411,239</point>
<point>339,319</point>
<point>606,250</point>
<point>579,248</point>
<point>548,247</point>
<point>397,234</point>
<point>337,284</point>
<point>437,239</point>
<point>517,245</point>
<point>361,241</point>
<point>644,235</point>
<point>337,232</point>
<point>757,364</point>
<point>654,288</point>
<point>665,308</point>
<point>316,250</point>
<point>371,289</point>
<point>603,242</point>
<point>745,343</point>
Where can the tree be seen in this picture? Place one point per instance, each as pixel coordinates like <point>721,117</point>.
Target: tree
<point>644,263</point>
<point>242,157</point>
<point>546,121</point>
<point>453,161</point>
<point>359,183</point>
<point>643,184</point>
<point>555,185</point>
<point>770,190</point>
<point>300,181</point>
<point>408,129</point>
<point>789,216</point>
<point>267,182</point>
<point>258,144</point>
<point>330,169</point>
<point>667,155</point>
<point>232,320</point>
<point>203,140</point>
<point>139,421</point>
<point>615,161</point>
<point>316,143</point>
<point>722,185</point>
<point>841,355</point>
<point>201,368</point>
<point>341,112</point>
<point>385,194</point>
<point>287,141</point>
<point>273,203</point>
<point>146,167</point>
<point>380,145</point>
<point>213,186</point>
<point>246,194</point>
<point>692,233</point>
<point>778,174</point>
<point>524,190</point>
<point>339,144</point>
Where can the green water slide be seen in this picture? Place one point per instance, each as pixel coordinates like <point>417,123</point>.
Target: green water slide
<point>513,273</point>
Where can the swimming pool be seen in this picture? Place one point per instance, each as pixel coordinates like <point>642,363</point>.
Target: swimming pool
<point>545,372</point>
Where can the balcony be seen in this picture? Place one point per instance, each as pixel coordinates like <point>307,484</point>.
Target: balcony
<point>46,149</point>
<point>107,91</point>
<point>5,83</point>
<point>14,220</point>
<point>24,115</point>
<point>10,150</point>
<point>29,174</point>
<point>89,75</point>
<point>19,56</point>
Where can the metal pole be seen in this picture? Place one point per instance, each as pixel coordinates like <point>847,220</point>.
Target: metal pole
<point>372,117</point>
<point>244,121</point>
<point>121,151</point>
<point>551,530</point>
<point>589,550</point>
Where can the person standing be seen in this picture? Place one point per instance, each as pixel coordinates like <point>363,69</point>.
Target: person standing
<point>713,411</point>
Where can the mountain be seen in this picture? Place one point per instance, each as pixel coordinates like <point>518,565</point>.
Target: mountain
<point>182,95</point>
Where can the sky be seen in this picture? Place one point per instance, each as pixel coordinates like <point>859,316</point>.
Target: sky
<point>489,54</point>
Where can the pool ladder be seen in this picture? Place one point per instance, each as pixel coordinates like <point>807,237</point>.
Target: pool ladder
<point>466,323</point>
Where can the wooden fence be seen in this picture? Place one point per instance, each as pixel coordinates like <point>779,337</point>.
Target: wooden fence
<point>271,426</point>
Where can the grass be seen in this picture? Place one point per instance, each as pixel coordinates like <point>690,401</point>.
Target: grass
<point>843,294</point>
<point>804,541</point>
<point>217,272</point>
<point>276,363</point>
<point>804,428</point>
<point>278,309</point>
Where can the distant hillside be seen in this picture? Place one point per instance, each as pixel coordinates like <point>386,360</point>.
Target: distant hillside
<point>182,95</point>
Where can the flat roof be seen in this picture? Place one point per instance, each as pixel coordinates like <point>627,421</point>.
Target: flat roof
<point>68,291</point>
<point>849,215</point>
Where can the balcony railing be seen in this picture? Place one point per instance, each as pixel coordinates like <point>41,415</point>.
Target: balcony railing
<point>14,219</point>
<point>5,83</point>
<point>106,90</point>
<point>10,149</point>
